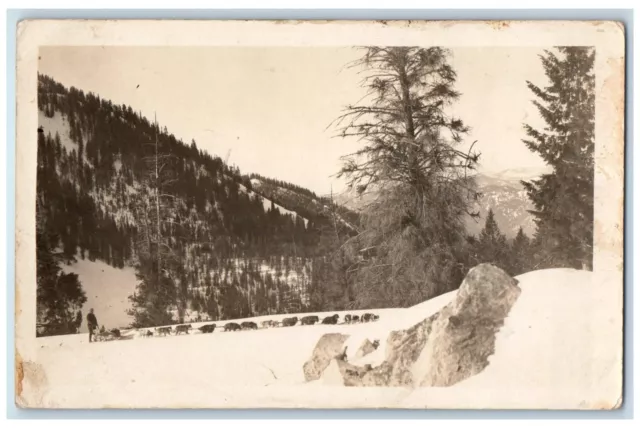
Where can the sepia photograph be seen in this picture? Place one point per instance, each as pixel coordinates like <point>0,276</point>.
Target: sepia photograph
<point>418,215</point>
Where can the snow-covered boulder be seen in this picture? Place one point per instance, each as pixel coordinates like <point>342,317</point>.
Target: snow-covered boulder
<point>330,346</point>
<point>448,346</point>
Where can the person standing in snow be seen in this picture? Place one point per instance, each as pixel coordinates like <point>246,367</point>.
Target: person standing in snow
<point>92,323</point>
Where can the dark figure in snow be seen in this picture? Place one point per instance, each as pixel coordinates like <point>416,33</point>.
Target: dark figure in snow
<point>309,320</point>
<point>288,322</point>
<point>184,328</point>
<point>209,328</point>
<point>355,319</point>
<point>249,325</point>
<point>92,324</point>
<point>347,319</point>
<point>149,333</point>
<point>231,326</point>
<point>115,332</point>
<point>331,320</point>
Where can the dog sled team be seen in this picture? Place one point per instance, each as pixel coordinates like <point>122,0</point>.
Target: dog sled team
<point>248,325</point>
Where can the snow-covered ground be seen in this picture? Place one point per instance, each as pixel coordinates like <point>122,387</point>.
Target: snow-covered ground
<point>107,289</point>
<point>560,348</point>
<point>266,204</point>
<point>58,124</point>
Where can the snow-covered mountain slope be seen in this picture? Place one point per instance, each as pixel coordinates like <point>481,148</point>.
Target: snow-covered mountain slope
<point>266,203</point>
<point>94,155</point>
<point>306,203</point>
<point>57,124</point>
<point>559,348</point>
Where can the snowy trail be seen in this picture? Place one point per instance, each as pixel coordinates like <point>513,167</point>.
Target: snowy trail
<point>559,348</point>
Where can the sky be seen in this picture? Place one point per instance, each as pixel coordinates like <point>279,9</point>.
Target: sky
<point>269,109</point>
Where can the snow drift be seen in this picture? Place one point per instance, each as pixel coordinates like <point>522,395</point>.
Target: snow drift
<point>558,349</point>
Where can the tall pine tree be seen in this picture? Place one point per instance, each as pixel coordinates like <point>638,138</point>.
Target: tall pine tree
<point>521,254</point>
<point>59,296</point>
<point>491,246</point>
<point>563,199</point>
<point>410,161</point>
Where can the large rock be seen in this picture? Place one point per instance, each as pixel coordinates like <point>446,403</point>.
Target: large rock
<point>447,347</point>
<point>463,336</point>
<point>329,346</point>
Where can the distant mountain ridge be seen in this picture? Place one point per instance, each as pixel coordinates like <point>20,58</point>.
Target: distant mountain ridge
<point>501,191</point>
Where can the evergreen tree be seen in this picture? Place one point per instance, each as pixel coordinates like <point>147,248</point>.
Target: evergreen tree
<point>491,246</point>
<point>78,321</point>
<point>59,296</point>
<point>420,179</point>
<point>563,199</point>
<point>521,254</point>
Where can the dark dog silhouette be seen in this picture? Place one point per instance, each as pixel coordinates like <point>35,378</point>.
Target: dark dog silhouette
<point>249,325</point>
<point>368,317</point>
<point>331,320</point>
<point>184,328</point>
<point>288,322</point>
<point>209,328</point>
<point>309,320</point>
<point>232,326</point>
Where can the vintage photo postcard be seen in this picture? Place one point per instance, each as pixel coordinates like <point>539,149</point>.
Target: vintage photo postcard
<point>256,214</point>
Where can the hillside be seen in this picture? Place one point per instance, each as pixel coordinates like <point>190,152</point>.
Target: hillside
<point>233,251</point>
<point>304,202</point>
<point>530,368</point>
